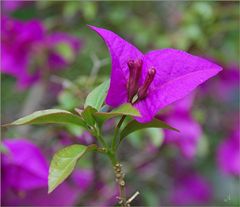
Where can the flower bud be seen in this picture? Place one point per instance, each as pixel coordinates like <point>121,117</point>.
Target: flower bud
<point>142,92</point>
<point>135,70</point>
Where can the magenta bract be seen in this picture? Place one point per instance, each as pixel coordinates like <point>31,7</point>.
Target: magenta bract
<point>179,116</point>
<point>19,40</point>
<point>28,52</point>
<point>190,133</point>
<point>24,166</point>
<point>177,74</point>
<point>24,178</point>
<point>228,154</point>
<point>190,189</point>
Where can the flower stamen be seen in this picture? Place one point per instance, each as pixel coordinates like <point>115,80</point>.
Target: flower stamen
<point>135,92</point>
<point>135,69</point>
<point>143,90</point>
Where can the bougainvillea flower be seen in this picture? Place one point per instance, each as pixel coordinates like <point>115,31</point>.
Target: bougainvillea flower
<point>190,132</point>
<point>153,80</point>
<point>82,179</point>
<point>24,178</point>
<point>226,86</point>
<point>11,6</point>
<point>67,139</point>
<point>62,49</point>
<point>24,166</point>
<point>190,189</point>
<point>106,196</point>
<point>64,195</point>
<point>19,42</point>
<point>188,136</point>
<point>29,53</point>
<point>228,154</point>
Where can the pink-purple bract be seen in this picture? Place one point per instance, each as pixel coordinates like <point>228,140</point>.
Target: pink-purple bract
<point>24,166</point>
<point>57,60</point>
<point>11,5</point>
<point>82,179</point>
<point>24,178</point>
<point>225,86</point>
<point>228,154</point>
<point>67,139</point>
<point>158,78</point>
<point>28,52</point>
<point>190,189</point>
<point>189,130</point>
<point>19,40</point>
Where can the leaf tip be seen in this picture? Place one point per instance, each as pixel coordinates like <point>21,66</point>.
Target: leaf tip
<point>50,190</point>
<point>51,187</point>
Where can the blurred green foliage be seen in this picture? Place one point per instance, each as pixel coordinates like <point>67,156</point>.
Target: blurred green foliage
<point>206,28</point>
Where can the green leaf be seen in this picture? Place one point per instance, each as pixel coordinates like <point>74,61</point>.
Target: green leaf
<point>49,116</point>
<point>87,115</point>
<point>125,109</point>
<point>133,126</point>
<point>97,97</point>
<point>64,162</point>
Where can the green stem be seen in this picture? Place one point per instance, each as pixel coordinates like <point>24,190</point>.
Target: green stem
<point>99,137</point>
<point>102,141</point>
<point>116,131</point>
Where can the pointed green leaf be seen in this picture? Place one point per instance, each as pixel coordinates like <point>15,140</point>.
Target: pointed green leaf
<point>64,162</point>
<point>97,97</point>
<point>49,116</point>
<point>125,109</point>
<point>133,126</point>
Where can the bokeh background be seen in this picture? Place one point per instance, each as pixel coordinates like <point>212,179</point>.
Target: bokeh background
<point>51,59</point>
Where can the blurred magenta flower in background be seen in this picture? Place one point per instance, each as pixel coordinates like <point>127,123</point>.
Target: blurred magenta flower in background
<point>11,6</point>
<point>225,86</point>
<point>67,139</point>
<point>24,166</point>
<point>41,43</point>
<point>107,196</point>
<point>228,154</point>
<point>19,40</point>
<point>29,53</point>
<point>63,48</point>
<point>25,173</point>
<point>157,78</point>
<point>190,131</point>
<point>82,179</point>
<point>190,189</point>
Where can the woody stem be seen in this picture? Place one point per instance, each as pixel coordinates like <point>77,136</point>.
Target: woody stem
<point>119,176</point>
<point>121,182</point>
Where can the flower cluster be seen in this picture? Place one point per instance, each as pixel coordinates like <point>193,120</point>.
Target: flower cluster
<point>30,53</point>
<point>154,80</point>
